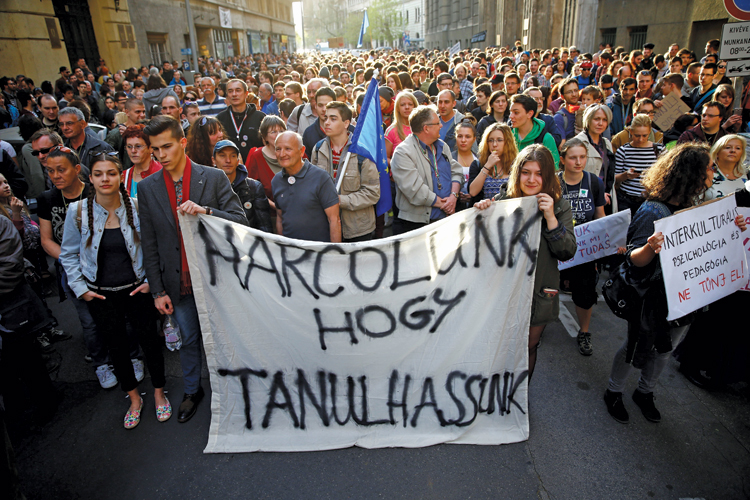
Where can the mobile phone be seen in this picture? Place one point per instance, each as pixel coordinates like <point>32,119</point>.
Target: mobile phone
<point>737,111</point>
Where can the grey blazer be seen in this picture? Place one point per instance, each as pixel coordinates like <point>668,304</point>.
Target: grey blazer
<point>159,238</point>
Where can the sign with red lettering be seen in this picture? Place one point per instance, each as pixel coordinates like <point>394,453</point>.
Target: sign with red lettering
<point>703,257</point>
<point>745,212</point>
<point>599,238</point>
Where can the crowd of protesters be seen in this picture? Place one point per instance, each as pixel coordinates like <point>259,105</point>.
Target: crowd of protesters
<point>240,136</point>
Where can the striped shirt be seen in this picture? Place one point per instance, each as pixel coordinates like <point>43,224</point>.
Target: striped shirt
<point>212,109</point>
<point>640,159</point>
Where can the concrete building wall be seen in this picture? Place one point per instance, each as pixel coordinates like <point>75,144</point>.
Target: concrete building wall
<point>689,23</point>
<point>26,46</point>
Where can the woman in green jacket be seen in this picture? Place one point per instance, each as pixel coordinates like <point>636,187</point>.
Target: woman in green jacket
<point>533,174</point>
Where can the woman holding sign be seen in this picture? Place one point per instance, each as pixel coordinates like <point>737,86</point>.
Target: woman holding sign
<point>704,361</point>
<point>676,181</point>
<point>585,193</point>
<point>533,174</point>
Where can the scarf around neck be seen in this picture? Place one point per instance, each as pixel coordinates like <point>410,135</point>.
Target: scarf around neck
<point>186,285</point>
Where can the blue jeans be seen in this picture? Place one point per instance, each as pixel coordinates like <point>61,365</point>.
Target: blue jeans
<point>186,315</point>
<point>95,343</point>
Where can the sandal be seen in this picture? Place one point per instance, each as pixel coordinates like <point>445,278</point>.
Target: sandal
<point>133,417</point>
<point>164,412</point>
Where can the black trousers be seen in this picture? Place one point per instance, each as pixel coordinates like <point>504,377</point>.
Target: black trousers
<point>110,316</point>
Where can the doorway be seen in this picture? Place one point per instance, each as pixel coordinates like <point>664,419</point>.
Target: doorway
<point>77,31</point>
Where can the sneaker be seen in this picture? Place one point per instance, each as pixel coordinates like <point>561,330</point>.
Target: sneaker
<point>584,343</point>
<point>615,406</point>
<point>645,401</point>
<point>44,344</point>
<point>57,335</point>
<point>106,377</point>
<point>138,368</point>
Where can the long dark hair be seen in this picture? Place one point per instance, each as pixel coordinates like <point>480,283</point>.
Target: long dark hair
<point>125,198</point>
<point>679,174</point>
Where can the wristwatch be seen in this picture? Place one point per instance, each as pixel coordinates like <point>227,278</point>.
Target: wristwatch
<point>159,295</point>
<point>208,210</point>
<point>455,194</point>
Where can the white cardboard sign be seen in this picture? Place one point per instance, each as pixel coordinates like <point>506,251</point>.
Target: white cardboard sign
<point>599,238</point>
<point>703,258</point>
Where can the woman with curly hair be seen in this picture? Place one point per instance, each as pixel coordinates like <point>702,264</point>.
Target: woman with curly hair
<point>102,257</point>
<point>533,174</point>
<point>497,152</point>
<point>202,138</point>
<point>677,179</point>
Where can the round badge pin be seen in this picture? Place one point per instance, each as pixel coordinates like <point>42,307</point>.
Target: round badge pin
<point>244,138</point>
<point>248,205</point>
<point>291,180</point>
<point>243,144</point>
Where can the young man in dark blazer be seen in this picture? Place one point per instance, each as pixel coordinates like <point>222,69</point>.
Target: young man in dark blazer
<point>192,189</point>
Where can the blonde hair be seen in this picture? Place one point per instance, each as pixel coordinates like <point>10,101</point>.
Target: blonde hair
<point>398,121</point>
<point>640,121</point>
<point>739,168</point>
<point>510,150</point>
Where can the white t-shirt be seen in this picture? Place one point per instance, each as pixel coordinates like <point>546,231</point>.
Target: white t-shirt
<point>8,149</point>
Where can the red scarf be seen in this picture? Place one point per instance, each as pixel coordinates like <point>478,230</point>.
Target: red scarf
<point>186,285</point>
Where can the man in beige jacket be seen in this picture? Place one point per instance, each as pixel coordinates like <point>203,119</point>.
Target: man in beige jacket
<point>427,177</point>
<point>360,189</point>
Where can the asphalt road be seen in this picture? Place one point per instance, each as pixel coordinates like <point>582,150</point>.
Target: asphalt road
<point>701,449</point>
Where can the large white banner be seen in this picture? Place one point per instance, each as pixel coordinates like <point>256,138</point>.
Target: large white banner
<point>703,258</point>
<point>599,238</point>
<point>410,341</point>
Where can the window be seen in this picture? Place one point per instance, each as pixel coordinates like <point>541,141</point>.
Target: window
<point>157,47</point>
<point>608,36</point>
<point>638,37</point>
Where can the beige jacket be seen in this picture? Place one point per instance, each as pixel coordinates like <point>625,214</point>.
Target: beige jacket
<point>360,190</point>
<point>412,174</point>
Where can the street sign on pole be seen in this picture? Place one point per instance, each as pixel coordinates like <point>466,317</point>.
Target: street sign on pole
<point>738,68</point>
<point>735,41</point>
<point>739,9</point>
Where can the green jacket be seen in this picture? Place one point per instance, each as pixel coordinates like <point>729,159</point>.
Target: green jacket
<point>548,141</point>
<point>557,244</point>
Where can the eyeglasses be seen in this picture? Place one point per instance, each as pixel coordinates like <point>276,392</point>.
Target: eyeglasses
<point>136,147</point>
<point>705,115</point>
<point>42,151</point>
<point>722,66</point>
<point>570,92</point>
<point>64,149</point>
<point>204,120</point>
<point>713,167</point>
<point>644,72</point>
<point>431,124</point>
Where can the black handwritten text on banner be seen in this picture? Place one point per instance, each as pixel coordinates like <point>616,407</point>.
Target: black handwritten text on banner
<point>702,258</point>
<point>408,341</point>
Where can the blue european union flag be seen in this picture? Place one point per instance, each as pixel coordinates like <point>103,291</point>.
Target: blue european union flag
<point>368,141</point>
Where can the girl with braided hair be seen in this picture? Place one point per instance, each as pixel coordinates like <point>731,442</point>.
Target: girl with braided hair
<point>102,256</point>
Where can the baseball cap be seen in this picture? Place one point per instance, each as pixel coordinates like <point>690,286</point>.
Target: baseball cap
<point>649,46</point>
<point>224,143</point>
<point>497,79</point>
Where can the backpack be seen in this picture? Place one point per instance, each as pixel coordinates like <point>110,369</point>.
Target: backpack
<point>316,149</point>
<point>565,121</point>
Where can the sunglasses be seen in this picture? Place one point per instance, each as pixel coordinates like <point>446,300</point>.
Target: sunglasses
<point>42,151</point>
<point>722,66</point>
<point>103,154</point>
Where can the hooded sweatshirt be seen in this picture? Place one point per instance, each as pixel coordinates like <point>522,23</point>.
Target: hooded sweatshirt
<point>538,136</point>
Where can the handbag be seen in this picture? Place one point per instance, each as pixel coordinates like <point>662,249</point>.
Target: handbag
<point>622,297</point>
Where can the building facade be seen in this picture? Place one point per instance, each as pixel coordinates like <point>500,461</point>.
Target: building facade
<point>223,28</point>
<point>39,36</point>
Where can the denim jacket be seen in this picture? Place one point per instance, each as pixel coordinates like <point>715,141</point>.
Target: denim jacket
<point>80,261</point>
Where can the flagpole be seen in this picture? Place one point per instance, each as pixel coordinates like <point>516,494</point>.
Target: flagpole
<point>342,171</point>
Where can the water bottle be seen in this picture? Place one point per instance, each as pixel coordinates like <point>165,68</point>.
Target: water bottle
<point>172,335</point>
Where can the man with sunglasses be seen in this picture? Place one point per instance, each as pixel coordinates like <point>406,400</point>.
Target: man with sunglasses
<point>73,126</point>
<point>709,130</point>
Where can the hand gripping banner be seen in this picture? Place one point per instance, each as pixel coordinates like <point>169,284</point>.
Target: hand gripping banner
<point>409,341</point>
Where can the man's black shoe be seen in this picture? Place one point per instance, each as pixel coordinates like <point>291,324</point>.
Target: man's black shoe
<point>645,401</point>
<point>189,405</point>
<point>615,406</point>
